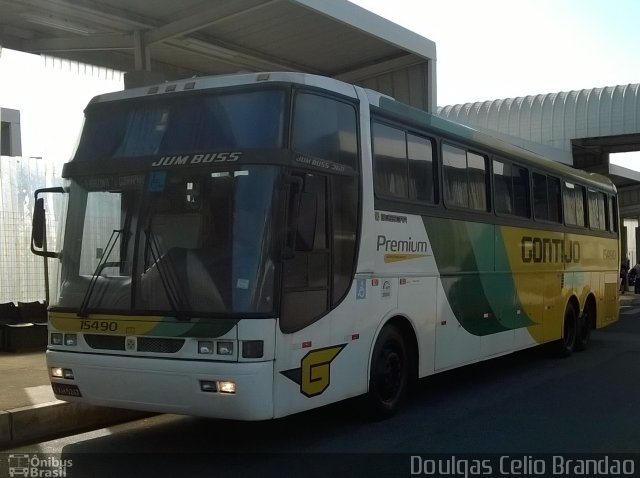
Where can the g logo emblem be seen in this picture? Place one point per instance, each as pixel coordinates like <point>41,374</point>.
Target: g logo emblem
<point>314,374</point>
<point>316,370</point>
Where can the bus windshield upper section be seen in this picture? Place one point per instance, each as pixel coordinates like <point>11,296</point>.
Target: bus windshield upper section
<point>174,125</point>
<point>178,242</point>
<point>181,204</point>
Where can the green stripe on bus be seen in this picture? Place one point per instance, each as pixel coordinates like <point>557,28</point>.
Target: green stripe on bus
<point>210,328</point>
<point>484,301</point>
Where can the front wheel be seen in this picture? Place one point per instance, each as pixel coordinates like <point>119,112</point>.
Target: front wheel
<point>389,374</point>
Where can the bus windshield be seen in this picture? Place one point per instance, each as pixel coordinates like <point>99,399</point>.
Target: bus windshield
<point>172,125</point>
<point>178,242</point>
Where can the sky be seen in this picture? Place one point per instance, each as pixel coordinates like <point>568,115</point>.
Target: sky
<point>51,101</point>
<point>494,49</point>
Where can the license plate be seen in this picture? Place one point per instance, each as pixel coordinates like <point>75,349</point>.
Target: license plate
<point>66,389</point>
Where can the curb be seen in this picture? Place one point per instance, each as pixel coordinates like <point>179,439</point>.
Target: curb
<point>54,419</point>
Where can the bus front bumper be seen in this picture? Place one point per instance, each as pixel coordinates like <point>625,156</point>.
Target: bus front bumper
<point>166,386</point>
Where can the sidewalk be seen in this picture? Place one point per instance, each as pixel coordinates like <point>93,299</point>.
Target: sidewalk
<point>630,299</point>
<point>29,412</point>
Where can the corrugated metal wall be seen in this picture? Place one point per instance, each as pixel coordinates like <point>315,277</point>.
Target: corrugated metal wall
<point>555,119</point>
<point>408,85</point>
<point>50,94</point>
<point>84,70</point>
<point>21,272</point>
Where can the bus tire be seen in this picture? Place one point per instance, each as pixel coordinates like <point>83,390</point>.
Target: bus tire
<point>565,346</point>
<point>585,324</point>
<point>389,374</point>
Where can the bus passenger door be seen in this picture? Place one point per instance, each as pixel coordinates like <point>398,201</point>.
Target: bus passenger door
<point>304,325</point>
<point>312,365</point>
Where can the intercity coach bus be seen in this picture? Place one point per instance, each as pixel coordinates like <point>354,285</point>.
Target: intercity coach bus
<point>252,246</point>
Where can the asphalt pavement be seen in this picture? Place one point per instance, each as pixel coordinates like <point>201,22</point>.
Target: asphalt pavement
<point>29,412</point>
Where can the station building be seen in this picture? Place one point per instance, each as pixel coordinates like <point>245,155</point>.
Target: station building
<point>149,42</point>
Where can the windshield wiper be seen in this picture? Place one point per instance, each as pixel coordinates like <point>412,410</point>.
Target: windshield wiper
<point>102,264</point>
<point>167,275</point>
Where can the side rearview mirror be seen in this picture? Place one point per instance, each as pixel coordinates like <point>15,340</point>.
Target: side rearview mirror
<point>39,224</point>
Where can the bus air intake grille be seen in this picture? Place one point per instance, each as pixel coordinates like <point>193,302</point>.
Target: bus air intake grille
<point>159,345</point>
<point>105,342</point>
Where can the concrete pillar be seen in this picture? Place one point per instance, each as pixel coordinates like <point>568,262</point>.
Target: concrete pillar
<point>637,243</point>
<point>141,53</point>
<point>142,74</point>
<point>623,254</point>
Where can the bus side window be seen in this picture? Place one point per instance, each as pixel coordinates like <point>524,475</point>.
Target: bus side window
<point>547,205</point>
<point>554,198</point>
<point>503,189</point>
<point>390,153</point>
<point>511,193</point>
<point>597,214</point>
<point>521,202</point>
<point>574,204</point>
<point>421,175</point>
<point>325,128</point>
<point>403,164</point>
<point>613,214</point>
<point>344,205</point>
<point>465,178</point>
<point>540,210</point>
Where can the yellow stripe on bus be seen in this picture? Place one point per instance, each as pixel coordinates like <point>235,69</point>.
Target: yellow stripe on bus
<point>104,324</point>
<point>389,258</point>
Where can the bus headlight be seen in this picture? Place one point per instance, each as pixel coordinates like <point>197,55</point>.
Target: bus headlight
<point>56,338</point>
<point>59,372</point>
<point>220,386</point>
<point>225,348</point>
<point>208,386</point>
<point>205,347</point>
<point>71,340</point>
<point>226,386</point>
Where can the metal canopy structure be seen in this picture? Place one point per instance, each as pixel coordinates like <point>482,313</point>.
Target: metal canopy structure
<point>165,39</point>
<point>586,125</point>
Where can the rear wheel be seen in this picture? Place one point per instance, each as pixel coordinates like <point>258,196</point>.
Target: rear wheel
<point>585,324</point>
<point>389,374</point>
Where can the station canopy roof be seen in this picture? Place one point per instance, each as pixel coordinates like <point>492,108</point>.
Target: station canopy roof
<point>197,37</point>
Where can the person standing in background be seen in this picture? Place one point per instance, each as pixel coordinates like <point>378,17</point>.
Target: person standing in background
<point>636,280</point>
<point>624,272</point>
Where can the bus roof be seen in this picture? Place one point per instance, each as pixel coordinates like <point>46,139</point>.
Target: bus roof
<point>436,124</point>
<point>225,81</point>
